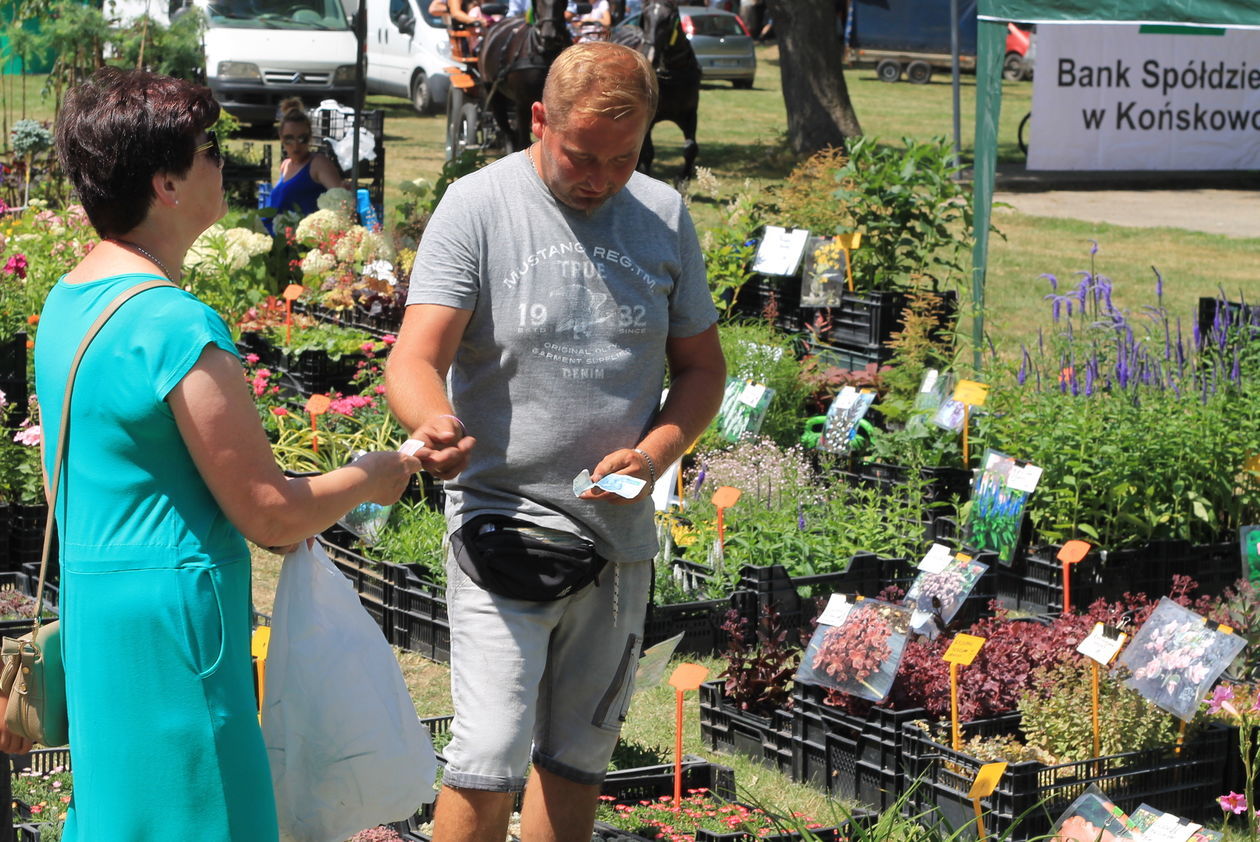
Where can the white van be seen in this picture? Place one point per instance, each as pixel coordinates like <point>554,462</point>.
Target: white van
<point>258,52</point>
<point>408,51</point>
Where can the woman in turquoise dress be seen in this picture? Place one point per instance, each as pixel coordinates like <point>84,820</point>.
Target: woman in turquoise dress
<point>168,472</point>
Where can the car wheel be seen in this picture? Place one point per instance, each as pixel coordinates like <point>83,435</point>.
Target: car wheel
<point>1013,67</point>
<point>888,70</point>
<point>919,73</point>
<point>742,84</point>
<point>421,96</point>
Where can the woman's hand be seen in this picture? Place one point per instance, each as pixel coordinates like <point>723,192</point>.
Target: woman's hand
<point>388,474</point>
<point>11,743</point>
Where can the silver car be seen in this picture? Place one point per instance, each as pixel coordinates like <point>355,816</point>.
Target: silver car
<point>720,41</point>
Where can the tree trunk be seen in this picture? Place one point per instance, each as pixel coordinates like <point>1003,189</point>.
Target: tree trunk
<point>819,112</point>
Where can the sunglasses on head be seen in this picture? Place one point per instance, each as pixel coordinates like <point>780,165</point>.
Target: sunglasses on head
<point>211,148</point>
<point>295,138</point>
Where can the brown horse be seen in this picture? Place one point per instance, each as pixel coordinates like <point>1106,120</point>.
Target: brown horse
<point>515,58</point>
<point>661,39</point>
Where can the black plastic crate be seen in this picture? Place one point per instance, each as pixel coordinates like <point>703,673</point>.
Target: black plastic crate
<point>22,583</point>
<point>700,622</point>
<point>1232,314</point>
<point>851,755</point>
<point>866,317</point>
<point>26,539</point>
<point>40,760</point>
<point>13,380</point>
<point>313,372</point>
<point>775,299</point>
<point>1030,796</point>
<point>723,727</point>
<point>422,634</point>
<point>334,125</point>
<point>846,357</point>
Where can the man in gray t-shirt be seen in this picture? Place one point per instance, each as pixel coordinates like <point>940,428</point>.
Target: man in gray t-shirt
<point>551,293</point>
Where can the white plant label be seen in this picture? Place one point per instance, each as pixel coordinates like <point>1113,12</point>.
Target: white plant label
<point>1100,647</point>
<point>780,251</point>
<point>1024,479</point>
<point>752,394</point>
<point>929,380</point>
<point>937,559</point>
<point>1170,828</point>
<point>838,608</point>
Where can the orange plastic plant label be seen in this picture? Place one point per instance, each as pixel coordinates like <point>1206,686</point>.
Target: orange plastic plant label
<point>987,780</point>
<point>963,649</point>
<point>726,496</point>
<point>293,292</point>
<point>688,677</point>
<point>1073,551</point>
<point>318,404</point>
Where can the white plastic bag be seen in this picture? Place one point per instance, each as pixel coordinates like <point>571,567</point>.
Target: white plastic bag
<point>347,750</point>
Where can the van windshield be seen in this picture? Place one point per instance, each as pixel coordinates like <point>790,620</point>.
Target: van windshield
<point>278,14</point>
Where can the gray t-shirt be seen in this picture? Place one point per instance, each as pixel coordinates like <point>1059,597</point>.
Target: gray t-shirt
<point>563,359</point>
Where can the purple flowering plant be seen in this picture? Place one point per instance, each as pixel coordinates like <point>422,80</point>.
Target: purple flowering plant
<point>1141,421</point>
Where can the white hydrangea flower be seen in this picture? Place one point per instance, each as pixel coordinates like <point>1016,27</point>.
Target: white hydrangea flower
<point>319,225</point>
<point>375,246</point>
<point>317,262</point>
<point>253,243</point>
<point>205,246</point>
<point>337,199</point>
<point>348,246</point>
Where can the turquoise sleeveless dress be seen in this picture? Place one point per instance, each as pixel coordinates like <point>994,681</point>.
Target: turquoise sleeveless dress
<point>155,583</point>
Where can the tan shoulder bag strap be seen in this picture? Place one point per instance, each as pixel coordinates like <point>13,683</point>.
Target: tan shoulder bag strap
<point>62,431</point>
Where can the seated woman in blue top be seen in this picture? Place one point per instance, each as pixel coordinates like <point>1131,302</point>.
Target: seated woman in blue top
<point>304,175</point>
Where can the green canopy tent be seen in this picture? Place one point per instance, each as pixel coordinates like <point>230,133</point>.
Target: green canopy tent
<point>990,51</point>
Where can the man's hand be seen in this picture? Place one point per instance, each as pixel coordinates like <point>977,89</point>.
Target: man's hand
<point>448,446</point>
<point>624,461</point>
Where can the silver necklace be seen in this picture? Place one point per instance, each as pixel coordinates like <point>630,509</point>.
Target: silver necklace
<point>145,252</point>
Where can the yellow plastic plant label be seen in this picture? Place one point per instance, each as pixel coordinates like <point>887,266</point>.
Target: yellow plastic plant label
<point>260,641</point>
<point>971,392</point>
<point>987,780</point>
<point>849,241</point>
<point>964,649</point>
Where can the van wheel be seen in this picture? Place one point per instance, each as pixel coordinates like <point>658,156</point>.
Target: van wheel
<point>1013,67</point>
<point>421,96</point>
<point>919,73</point>
<point>888,70</point>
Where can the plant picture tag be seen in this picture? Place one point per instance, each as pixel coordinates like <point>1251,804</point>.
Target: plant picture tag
<point>937,559</point>
<point>1093,816</point>
<point>780,251</point>
<point>963,649</point>
<point>736,416</point>
<point>971,392</point>
<point>1102,644</point>
<point>752,394</point>
<point>987,780</point>
<point>1170,828</point>
<point>847,397</point>
<point>838,608</point>
<point>654,661</point>
<point>860,655</point>
<point>1176,657</point>
<point>929,381</point>
<point>996,515</point>
<point>844,416</point>
<point>1024,478</point>
<point>623,485</point>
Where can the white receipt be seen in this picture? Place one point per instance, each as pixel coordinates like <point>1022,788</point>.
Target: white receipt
<point>410,446</point>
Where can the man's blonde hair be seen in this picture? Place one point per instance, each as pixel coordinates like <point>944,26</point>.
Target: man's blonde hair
<point>600,78</point>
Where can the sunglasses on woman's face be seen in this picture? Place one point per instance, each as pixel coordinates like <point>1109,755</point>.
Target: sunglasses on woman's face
<point>211,148</point>
<point>295,138</point>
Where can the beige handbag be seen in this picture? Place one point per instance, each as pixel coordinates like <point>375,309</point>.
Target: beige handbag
<point>33,675</point>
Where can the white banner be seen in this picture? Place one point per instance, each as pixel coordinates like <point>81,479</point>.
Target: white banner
<point>1113,97</point>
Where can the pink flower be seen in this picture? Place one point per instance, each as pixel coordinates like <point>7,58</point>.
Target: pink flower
<point>389,339</point>
<point>29,436</point>
<point>279,410</point>
<point>1222,694</point>
<point>252,358</point>
<point>367,347</point>
<point>1235,803</point>
<point>16,266</point>
<point>380,390</point>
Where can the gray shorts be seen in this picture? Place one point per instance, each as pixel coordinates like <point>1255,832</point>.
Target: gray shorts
<point>558,675</point>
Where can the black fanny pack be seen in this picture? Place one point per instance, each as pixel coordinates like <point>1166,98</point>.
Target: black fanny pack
<point>519,560</point>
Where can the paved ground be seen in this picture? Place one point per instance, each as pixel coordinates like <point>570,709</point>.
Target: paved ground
<point>1217,203</point>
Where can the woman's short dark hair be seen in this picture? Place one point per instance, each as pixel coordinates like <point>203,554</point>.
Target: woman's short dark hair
<point>118,129</point>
